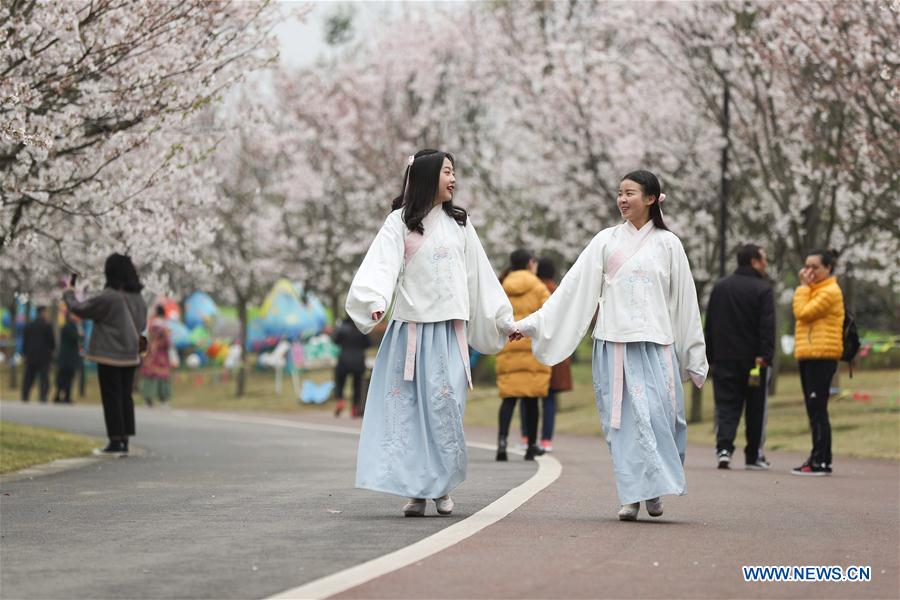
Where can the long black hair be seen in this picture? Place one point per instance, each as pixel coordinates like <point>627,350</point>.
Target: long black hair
<point>121,274</point>
<point>417,196</point>
<point>650,187</point>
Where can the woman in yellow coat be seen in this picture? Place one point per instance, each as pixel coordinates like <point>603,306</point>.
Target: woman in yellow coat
<point>819,335</point>
<point>519,374</point>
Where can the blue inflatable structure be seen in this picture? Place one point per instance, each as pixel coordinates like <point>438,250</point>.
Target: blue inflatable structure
<point>286,314</point>
<point>199,310</point>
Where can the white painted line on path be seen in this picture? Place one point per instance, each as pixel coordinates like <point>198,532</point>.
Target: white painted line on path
<point>549,470</point>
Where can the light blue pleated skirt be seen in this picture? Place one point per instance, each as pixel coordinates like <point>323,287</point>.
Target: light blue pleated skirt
<point>412,442</point>
<point>648,449</point>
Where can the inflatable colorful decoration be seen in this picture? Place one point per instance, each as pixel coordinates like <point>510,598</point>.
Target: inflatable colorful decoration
<point>199,310</point>
<point>286,314</point>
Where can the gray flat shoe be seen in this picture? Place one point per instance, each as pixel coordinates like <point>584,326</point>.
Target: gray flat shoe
<point>414,508</point>
<point>444,505</point>
<point>629,512</point>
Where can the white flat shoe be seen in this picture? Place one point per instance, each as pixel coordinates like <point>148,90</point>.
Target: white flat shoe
<point>629,512</point>
<point>414,508</point>
<point>654,507</point>
<point>444,505</point>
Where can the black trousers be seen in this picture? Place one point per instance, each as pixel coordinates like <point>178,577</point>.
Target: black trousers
<point>734,396</point>
<point>548,425</point>
<point>42,372</point>
<point>531,415</point>
<point>64,378</point>
<point>340,379</point>
<point>815,378</point>
<point>116,386</point>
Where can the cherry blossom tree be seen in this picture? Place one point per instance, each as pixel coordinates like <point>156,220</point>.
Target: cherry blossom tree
<point>548,104</point>
<point>814,89</point>
<point>250,248</point>
<point>349,123</point>
<point>98,147</point>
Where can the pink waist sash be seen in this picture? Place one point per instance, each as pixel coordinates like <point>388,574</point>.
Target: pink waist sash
<point>409,368</point>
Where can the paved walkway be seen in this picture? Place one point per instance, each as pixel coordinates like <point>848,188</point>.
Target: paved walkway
<point>213,509</point>
<point>213,499</point>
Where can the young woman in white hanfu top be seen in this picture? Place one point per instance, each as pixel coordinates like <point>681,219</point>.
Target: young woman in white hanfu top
<point>447,297</point>
<point>648,333</point>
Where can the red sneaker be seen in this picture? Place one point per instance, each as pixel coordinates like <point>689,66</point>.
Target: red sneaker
<point>812,470</point>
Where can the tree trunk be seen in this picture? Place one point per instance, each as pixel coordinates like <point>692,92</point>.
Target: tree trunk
<point>82,383</point>
<point>773,372</point>
<point>335,306</point>
<point>696,405</point>
<point>240,380</point>
<point>13,369</point>
<point>772,384</point>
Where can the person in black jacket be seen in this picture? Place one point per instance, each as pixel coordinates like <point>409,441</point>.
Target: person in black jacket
<point>38,344</point>
<point>67,361</point>
<point>352,361</point>
<point>740,337</point>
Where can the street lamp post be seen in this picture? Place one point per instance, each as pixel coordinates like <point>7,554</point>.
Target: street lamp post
<point>725,183</point>
<point>696,414</point>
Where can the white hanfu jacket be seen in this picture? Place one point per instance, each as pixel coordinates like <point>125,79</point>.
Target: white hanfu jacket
<point>642,282</point>
<point>443,275</point>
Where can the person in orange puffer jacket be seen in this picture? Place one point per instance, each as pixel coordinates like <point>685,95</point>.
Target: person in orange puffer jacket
<point>519,374</point>
<point>819,335</point>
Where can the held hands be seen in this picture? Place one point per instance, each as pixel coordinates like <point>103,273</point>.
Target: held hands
<point>376,316</point>
<point>517,333</point>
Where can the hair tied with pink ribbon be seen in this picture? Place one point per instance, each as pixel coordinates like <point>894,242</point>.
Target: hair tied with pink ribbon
<point>662,198</point>
<point>409,162</point>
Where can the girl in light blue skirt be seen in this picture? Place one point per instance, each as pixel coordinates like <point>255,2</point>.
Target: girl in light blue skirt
<point>648,339</point>
<point>427,268</point>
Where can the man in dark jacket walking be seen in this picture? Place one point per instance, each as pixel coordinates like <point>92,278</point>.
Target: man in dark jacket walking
<point>740,346</point>
<point>37,347</point>
<point>352,362</point>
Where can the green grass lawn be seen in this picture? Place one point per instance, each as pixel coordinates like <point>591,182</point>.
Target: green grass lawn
<point>208,389</point>
<point>860,428</point>
<point>24,446</point>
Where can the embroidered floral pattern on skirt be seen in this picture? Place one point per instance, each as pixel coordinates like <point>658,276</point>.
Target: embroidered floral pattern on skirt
<point>648,449</point>
<point>412,442</point>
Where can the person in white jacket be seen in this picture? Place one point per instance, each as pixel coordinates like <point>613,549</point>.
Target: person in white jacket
<point>647,340</point>
<point>428,264</point>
